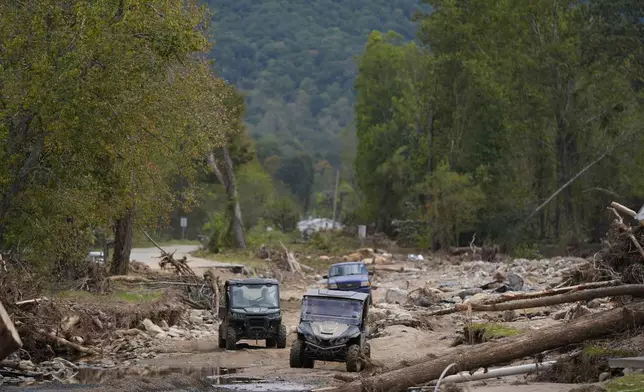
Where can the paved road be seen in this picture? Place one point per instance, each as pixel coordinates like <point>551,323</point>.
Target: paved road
<point>150,256</point>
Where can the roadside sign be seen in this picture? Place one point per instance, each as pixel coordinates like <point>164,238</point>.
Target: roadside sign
<point>184,222</point>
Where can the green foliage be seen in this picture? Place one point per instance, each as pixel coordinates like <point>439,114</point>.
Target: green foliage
<point>455,202</point>
<point>256,192</point>
<point>217,231</point>
<point>283,212</point>
<point>527,251</point>
<point>258,236</point>
<point>103,108</point>
<point>514,100</point>
<point>296,62</point>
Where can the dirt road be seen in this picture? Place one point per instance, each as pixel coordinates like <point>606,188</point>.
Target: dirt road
<point>150,257</point>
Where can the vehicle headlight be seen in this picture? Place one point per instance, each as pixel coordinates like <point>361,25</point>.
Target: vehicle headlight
<point>235,315</point>
<point>333,286</point>
<point>274,315</point>
<point>365,283</point>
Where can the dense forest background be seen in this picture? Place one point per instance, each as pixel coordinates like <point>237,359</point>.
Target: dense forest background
<point>515,122</point>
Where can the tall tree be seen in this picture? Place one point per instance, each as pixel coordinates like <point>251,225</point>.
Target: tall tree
<point>112,105</point>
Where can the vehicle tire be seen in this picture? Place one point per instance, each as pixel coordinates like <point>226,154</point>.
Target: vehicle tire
<point>222,338</point>
<point>366,355</point>
<point>307,363</point>
<point>367,350</point>
<point>297,353</point>
<point>270,342</point>
<point>281,336</point>
<point>353,358</point>
<point>231,339</point>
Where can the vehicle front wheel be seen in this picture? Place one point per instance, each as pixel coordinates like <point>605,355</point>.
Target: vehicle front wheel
<point>231,339</point>
<point>222,339</point>
<point>297,352</point>
<point>281,336</point>
<point>354,361</point>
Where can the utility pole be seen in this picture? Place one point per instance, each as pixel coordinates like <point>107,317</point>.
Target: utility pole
<point>335,196</point>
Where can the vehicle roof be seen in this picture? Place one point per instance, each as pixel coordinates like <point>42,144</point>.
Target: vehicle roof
<point>252,281</point>
<point>337,294</point>
<point>348,262</point>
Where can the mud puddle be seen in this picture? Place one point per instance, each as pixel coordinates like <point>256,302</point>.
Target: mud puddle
<point>101,375</point>
<point>222,379</point>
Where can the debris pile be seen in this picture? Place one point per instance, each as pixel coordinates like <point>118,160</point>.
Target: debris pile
<point>603,306</point>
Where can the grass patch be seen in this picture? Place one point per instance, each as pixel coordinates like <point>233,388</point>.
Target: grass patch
<point>630,383</point>
<point>594,351</point>
<point>133,297</point>
<point>484,332</point>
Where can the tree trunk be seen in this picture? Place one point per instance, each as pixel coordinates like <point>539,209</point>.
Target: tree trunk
<point>227,179</point>
<point>9,338</point>
<point>123,232</point>
<point>238,222</point>
<point>504,350</point>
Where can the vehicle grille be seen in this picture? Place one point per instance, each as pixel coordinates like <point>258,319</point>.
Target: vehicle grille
<point>353,285</point>
<point>256,322</point>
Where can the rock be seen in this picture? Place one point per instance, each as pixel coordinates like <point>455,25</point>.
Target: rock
<point>376,314</point>
<point>403,316</point>
<point>164,325</point>
<point>379,260</point>
<point>352,257</point>
<point>108,363</point>
<point>78,339</point>
<point>324,258</point>
<point>560,314</point>
<point>499,276</point>
<point>515,282</point>
<point>396,295</point>
<point>604,376</point>
<point>196,316</point>
<point>509,316</point>
<point>153,329</point>
<point>26,365</point>
<point>470,292</point>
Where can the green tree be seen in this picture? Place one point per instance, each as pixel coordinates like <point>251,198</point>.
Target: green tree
<point>112,105</point>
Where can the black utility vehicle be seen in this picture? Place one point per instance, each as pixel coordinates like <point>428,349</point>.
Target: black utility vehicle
<point>250,309</point>
<point>333,327</point>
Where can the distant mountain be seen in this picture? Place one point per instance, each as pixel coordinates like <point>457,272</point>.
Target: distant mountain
<point>296,62</point>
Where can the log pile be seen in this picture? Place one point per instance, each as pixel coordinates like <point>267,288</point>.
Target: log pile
<point>283,259</point>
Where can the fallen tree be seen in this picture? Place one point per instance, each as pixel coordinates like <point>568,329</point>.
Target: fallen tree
<point>9,338</point>
<point>635,290</point>
<point>506,350</point>
<point>551,292</point>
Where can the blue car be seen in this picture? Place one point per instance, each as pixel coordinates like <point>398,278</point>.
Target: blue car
<point>350,276</point>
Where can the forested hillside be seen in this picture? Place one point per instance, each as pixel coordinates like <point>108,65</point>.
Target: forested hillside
<point>521,125</point>
<point>296,61</point>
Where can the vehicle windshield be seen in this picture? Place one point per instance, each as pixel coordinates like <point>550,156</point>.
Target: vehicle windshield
<point>323,309</point>
<point>347,269</point>
<point>252,295</point>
